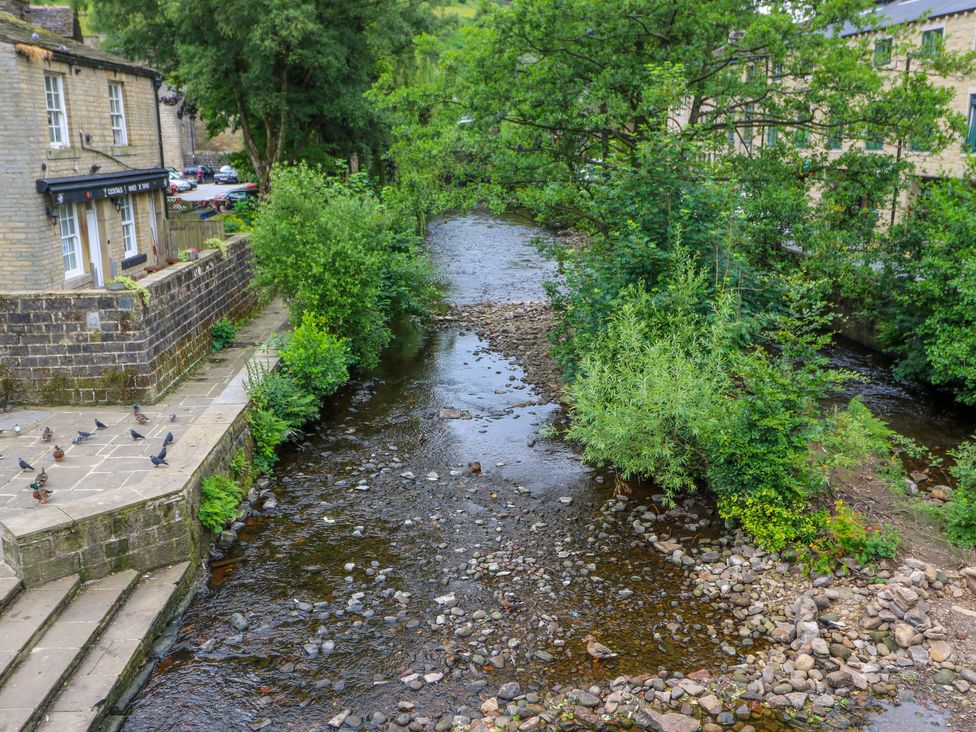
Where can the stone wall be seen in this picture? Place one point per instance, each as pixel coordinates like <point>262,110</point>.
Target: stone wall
<point>99,346</point>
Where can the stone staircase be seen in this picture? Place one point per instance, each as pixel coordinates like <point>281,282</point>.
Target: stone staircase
<point>67,649</point>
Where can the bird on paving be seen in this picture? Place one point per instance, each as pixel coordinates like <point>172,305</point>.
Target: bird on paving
<point>47,434</point>
<point>172,417</point>
<point>40,493</point>
<point>41,478</point>
<point>168,440</point>
<point>24,465</point>
<point>141,418</point>
<point>158,460</point>
<point>58,453</point>
<point>82,435</point>
<point>162,453</point>
<point>598,650</point>
<point>136,435</point>
<point>17,430</point>
<point>100,425</point>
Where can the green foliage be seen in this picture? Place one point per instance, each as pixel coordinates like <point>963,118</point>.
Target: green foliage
<point>335,250</point>
<point>219,498</point>
<point>218,244</point>
<point>130,284</point>
<point>242,470</point>
<point>222,334</point>
<point>281,394</point>
<point>960,511</point>
<point>268,431</point>
<point>317,360</point>
<point>846,535</point>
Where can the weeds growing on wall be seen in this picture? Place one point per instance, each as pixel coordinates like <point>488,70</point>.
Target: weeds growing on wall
<point>219,498</point>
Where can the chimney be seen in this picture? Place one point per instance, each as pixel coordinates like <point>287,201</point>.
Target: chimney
<point>17,8</point>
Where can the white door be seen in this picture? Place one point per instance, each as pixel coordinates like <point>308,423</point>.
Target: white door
<point>94,246</point>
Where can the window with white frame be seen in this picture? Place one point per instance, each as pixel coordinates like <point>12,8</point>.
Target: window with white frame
<point>57,119</point>
<point>116,108</point>
<point>70,241</point>
<point>129,227</point>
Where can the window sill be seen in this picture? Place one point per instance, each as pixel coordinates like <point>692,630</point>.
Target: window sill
<point>121,151</point>
<point>63,153</point>
<point>74,281</point>
<point>134,260</point>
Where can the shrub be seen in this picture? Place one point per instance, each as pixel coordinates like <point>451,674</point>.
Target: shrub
<point>219,498</point>
<point>336,251</point>
<point>282,395</point>
<point>846,535</point>
<point>315,358</point>
<point>222,334</point>
<point>960,511</point>
<point>268,430</point>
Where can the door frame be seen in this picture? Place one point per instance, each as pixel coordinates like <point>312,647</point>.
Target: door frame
<point>94,244</point>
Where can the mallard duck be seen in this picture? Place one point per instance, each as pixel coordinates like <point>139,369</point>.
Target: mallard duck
<point>40,493</point>
<point>141,418</point>
<point>58,453</point>
<point>41,478</point>
<point>598,650</point>
<point>47,434</point>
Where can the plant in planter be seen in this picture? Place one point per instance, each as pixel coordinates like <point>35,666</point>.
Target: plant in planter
<point>215,243</point>
<point>188,255</point>
<point>127,283</point>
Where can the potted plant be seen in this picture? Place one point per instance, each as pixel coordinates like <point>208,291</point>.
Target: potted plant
<point>188,255</point>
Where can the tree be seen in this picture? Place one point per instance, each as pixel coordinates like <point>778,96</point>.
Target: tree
<point>289,74</point>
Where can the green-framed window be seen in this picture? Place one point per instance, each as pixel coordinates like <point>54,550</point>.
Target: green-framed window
<point>772,137</point>
<point>882,52</point>
<point>970,143</point>
<point>931,42</point>
<point>801,138</point>
<point>874,143</point>
<point>835,140</point>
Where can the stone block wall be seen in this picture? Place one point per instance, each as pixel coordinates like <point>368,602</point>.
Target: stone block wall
<point>98,346</point>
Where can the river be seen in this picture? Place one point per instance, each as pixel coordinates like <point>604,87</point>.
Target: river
<point>387,558</point>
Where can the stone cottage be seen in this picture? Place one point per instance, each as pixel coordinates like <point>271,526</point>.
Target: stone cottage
<point>81,167</point>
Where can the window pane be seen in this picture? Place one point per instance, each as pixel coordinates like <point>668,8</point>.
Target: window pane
<point>128,226</point>
<point>69,240</point>
<point>882,52</point>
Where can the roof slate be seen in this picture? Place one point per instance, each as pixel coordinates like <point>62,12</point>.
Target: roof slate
<point>907,11</point>
<point>13,30</point>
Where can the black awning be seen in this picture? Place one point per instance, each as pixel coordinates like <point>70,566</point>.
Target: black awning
<point>106,185</point>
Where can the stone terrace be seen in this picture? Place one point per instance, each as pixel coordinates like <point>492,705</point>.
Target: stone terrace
<point>111,471</point>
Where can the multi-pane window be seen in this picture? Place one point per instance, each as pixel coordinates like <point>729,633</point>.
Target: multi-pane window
<point>116,108</point>
<point>70,242</point>
<point>801,138</point>
<point>128,227</point>
<point>874,143</point>
<point>971,136</point>
<point>931,42</point>
<point>882,52</point>
<point>57,120</point>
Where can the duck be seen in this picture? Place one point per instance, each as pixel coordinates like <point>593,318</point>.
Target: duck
<point>58,453</point>
<point>47,434</point>
<point>599,651</point>
<point>41,478</point>
<point>141,418</point>
<point>40,493</point>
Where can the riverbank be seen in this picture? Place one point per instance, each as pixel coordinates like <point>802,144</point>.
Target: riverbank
<point>900,633</point>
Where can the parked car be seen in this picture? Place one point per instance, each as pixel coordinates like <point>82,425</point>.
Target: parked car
<point>226,201</point>
<point>226,175</point>
<point>178,184</point>
<point>199,173</point>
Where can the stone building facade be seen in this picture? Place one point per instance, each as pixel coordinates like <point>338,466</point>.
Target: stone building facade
<point>80,161</point>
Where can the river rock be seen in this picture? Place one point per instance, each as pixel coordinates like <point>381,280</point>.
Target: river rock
<point>711,704</point>
<point>939,651</point>
<point>904,633</point>
<point>509,691</point>
<point>239,622</point>
<point>803,662</point>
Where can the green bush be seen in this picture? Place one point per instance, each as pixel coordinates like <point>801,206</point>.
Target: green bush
<point>222,334</point>
<point>268,431</point>
<point>335,250</point>
<point>315,358</point>
<point>960,511</point>
<point>219,498</point>
<point>281,394</point>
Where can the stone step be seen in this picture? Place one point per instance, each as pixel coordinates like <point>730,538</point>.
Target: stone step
<point>36,679</point>
<point>110,663</point>
<point>9,589</point>
<point>28,617</point>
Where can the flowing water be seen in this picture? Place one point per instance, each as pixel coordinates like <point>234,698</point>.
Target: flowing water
<point>378,517</point>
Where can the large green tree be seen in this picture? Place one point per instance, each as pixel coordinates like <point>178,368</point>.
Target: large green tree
<point>289,74</point>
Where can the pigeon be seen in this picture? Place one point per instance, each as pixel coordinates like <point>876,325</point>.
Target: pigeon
<point>141,418</point>
<point>24,465</point>
<point>136,435</point>
<point>58,453</point>
<point>172,417</point>
<point>41,478</point>
<point>17,430</point>
<point>168,440</point>
<point>135,407</point>
<point>47,434</point>
<point>158,460</point>
<point>77,440</point>
<point>100,425</point>
<point>162,453</point>
<point>82,435</point>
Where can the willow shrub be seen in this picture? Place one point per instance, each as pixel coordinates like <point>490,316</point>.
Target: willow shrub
<point>671,393</point>
<point>335,250</point>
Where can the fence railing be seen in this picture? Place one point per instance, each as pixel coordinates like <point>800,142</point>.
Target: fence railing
<point>180,234</point>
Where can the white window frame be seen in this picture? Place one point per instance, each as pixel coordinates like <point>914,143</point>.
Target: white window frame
<point>57,113</point>
<point>70,241</point>
<point>116,110</point>
<point>128,214</point>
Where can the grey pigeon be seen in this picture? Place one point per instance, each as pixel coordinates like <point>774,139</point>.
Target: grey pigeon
<point>158,460</point>
<point>82,435</point>
<point>162,453</point>
<point>172,417</point>
<point>136,435</point>
<point>77,440</point>
<point>168,440</point>
<point>24,465</point>
<point>100,425</point>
